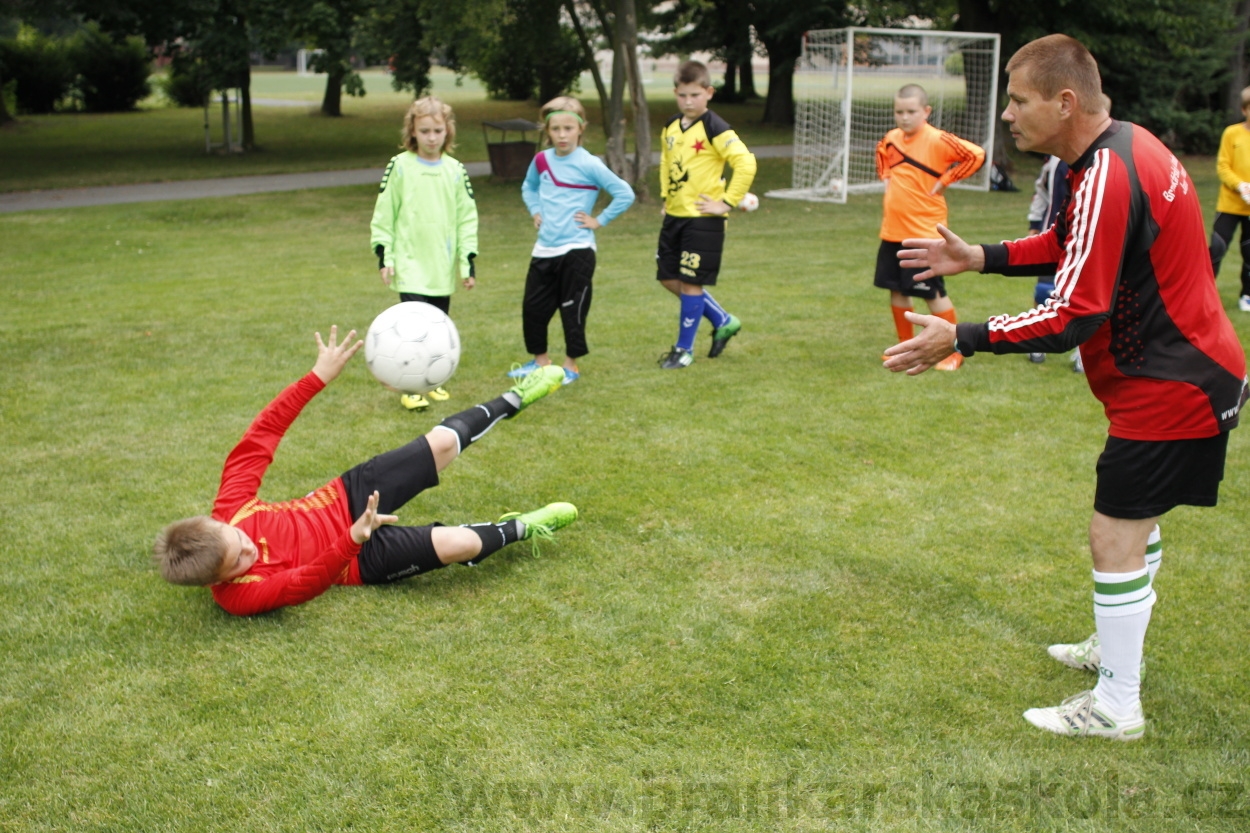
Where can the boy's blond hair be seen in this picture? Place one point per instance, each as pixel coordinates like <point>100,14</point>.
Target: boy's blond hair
<point>562,104</point>
<point>913,91</point>
<point>1245,97</point>
<point>1059,62</point>
<point>692,72</point>
<point>429,106</point>
<point>190,552</point>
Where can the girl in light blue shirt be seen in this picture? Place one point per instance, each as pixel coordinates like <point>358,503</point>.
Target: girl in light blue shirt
<point>560,191</point>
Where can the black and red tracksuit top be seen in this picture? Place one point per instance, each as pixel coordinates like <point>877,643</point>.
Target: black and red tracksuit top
<point>1134,288</point>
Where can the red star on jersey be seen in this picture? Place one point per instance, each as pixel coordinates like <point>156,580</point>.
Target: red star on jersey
<point>698,146</point>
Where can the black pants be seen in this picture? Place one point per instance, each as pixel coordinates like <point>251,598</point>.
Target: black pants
<point>558,283</point>
<point>1225,226</point>
<point>394,552</point>
<point>443,302</point>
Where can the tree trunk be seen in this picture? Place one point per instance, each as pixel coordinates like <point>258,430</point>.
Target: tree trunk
<point>249,131</point>
<point>729,91</point>
<point>332,101</point>
<point>5,115</point>
<point>616,112</point>
<point>592,64</point>
<point>779,106</point>
<point>627,33</point>
<point>1237,61</point>
<point>747,84</point>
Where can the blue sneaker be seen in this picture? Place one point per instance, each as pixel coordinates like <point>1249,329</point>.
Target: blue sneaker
<point>520,371</point>
<point>571,376</point>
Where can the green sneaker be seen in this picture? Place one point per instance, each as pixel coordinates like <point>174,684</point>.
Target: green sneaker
<point>538,384</point>
<point>721,336</point>
<point>541,524</point>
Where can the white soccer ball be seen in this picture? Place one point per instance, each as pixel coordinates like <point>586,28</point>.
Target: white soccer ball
<point>750,202</point>
<point>412,347</point>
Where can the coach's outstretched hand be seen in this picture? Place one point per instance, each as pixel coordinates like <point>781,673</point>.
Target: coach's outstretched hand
<point>332,357</point>
<point>949,255</point>
<point>370,520</point>
<point>916,355</point>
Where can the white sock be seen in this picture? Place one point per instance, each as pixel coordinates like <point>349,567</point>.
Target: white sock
<point>1154,552</point>
<point>1122,603</point>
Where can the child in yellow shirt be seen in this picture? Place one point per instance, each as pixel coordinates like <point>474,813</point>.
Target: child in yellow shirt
<point>1233,209</point>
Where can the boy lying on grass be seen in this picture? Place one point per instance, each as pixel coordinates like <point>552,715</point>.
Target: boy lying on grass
<point>257,556</point>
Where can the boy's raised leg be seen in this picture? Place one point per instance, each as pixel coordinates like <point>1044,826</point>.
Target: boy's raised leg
<point>471,425</point>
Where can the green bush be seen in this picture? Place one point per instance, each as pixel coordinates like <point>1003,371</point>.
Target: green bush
<point>186,84</point>
<point>112,74</point>
<point>41,68</point>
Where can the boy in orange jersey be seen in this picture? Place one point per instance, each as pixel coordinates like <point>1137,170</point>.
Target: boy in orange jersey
<point>917,162</point>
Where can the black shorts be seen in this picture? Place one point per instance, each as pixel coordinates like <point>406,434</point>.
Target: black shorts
<point>1140,479</point>
<point>394,552</point>
<point>442,302</point>
<point>690,250</point>
<point>894,277</point>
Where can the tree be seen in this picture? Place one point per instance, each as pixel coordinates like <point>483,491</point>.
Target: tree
<point>617,22</point>
<point>1164,63</point>
<point>330,27</point>
<point>395,33</point>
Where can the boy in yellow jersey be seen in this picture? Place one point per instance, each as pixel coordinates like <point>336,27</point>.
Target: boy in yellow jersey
<point>1233,209</point>
<point>917,162</point>
<point>695,145</point>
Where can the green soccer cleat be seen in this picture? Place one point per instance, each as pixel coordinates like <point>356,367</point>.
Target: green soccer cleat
<point>1081,715</point>
<point>721,336</point>
<point>541,524</point>
<point>538,384</point>
<point>414,401</point>
<point>676,359</point>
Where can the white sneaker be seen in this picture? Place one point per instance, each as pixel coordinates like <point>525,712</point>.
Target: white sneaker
<point>1081,714</point>
<point>1243,303</point>
<point>1078,366</point>
<point>1084,655</point>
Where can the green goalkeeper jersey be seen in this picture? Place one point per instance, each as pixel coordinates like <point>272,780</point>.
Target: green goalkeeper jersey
<point>425,220</point>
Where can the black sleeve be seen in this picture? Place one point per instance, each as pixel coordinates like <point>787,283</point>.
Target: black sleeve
<point>996,263</point>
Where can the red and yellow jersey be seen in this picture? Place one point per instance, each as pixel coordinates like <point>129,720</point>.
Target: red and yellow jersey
<point>305,544</point>
<point>911,166</point>
<point>692,162</point>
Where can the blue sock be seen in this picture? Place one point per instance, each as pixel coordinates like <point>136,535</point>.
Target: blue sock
<point>691,312</point>
<point>714,312</point>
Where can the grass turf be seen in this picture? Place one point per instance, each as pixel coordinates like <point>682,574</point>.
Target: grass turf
<point>803,593</point>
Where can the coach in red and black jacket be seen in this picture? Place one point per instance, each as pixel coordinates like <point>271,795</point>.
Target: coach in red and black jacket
<point>1134,289</point>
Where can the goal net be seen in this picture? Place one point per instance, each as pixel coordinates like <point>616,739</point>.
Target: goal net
<point>844,86</point>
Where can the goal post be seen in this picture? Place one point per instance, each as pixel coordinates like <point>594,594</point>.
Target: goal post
<point>844,86</point>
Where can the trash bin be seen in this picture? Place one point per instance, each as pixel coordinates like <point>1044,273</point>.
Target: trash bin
<point>510,160</point>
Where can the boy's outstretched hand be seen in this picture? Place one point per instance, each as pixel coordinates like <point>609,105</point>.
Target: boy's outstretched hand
<point>370,520</point>
<point>332,357</point>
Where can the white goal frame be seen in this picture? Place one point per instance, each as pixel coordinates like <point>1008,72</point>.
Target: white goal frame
<point>844,86</point>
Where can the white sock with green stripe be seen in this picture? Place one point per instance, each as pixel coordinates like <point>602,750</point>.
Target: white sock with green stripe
<point>1122,603</point>
<point>1154,552</point>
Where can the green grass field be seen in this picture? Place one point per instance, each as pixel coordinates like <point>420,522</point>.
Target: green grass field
<point>157,144</point>
<point>804,593</point>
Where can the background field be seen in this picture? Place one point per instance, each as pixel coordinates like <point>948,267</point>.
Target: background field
<point>156,144</point>
<point>804,593</point>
